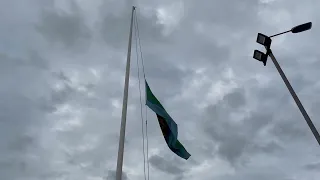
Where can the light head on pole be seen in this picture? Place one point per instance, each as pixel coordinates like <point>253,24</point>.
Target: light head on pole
<point>302,27</point>
<point>260,56</point>
<point>264,40</point>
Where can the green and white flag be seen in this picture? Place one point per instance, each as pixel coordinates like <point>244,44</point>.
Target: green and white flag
<point>168,127</point>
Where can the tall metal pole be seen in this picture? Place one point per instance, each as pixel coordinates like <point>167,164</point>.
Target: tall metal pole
<point>295,97</point>
<point>124,107</point>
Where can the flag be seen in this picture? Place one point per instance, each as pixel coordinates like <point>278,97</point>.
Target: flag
<point>168,127</point>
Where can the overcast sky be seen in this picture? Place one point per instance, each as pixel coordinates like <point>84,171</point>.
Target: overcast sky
<point>62,66</point>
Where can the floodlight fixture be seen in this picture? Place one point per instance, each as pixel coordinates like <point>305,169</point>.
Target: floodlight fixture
<point>260,56</point>
<point>264,40</point>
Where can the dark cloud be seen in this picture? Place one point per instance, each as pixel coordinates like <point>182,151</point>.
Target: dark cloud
<point>67,28</point>
<point>313,166</point>
<point>290,130</point>
<point>165,165</point>
<point>268,148</point>
<point>237,139</point>
<point>115,28</point>
<point>33,61</point>
<point>235,100</point>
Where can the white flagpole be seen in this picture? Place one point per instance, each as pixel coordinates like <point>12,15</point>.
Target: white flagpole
<point>124,107</point>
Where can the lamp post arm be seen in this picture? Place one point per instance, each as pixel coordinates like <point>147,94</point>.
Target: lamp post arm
<point>279,34</point>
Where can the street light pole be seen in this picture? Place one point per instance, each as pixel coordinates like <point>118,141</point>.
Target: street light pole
<point>260,56</point>
<point>295,97</point>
